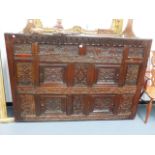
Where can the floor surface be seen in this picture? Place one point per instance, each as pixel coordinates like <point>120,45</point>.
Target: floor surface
<point>117,127</point>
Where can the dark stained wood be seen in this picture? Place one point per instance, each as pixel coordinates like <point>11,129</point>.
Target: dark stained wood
<point>72,77</point>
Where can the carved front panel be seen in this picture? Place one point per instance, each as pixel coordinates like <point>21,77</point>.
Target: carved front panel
<point>52,74</point>
<point>107,75</point>
<point>86,86</point>
<point>52,104</point>
<point>26,104</point>
<point>103,103</point>
<point>136,53</point>
<point>61,50</point>
<point>24,73</point>
<point>126,103</point>
<point>81,74</point>
<point>132,74</point>
<point>106,54</point>
<point>22,49</point>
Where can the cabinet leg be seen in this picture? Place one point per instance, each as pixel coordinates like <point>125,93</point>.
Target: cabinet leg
<point>148,110</point>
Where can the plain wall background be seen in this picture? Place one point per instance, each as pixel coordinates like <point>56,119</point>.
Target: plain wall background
<point>88,14</point>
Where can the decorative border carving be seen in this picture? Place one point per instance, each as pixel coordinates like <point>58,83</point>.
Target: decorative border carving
<point>94,40</point>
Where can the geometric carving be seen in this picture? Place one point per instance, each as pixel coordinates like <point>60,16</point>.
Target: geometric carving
<point>126,103</point>
<point>103,103</point>
<point>80,74</point>
<point>51,104</point>
<point>27,105</point>
<point>106,54</point>
<point>50,74</point>
<point>24,73</point>
<point>69,50</point>
<point>77,104</point>
<point>136,53</point>
<point>132,74</point>
<point>107,75</point>
<point>22,49</point>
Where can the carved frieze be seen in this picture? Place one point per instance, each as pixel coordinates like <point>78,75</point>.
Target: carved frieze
<point>136,53</point>
<point>106,54</point>
<point>77,40</point>
<point>22,49</point>
<point>61,50</point>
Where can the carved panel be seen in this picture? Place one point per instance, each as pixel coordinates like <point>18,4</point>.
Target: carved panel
<point>77,104</point>
<point>27,105</point>
<point>52,74</point>
<point>22,49</point>
<point>107,75</point>
<point>52,104</point>
<point>64,50</point>
<point>136,53</point>
<point>132,74</point>
<point>74,40</point>
<point>24,72</point>
<point>81,74</point>
<point>103,103</point>
<point>126,103</point>
<point>106,54</point>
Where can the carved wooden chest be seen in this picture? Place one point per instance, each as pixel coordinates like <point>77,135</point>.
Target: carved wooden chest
<point>73,77</point>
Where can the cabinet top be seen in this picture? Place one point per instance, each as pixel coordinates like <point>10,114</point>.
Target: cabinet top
<point>59,38</point>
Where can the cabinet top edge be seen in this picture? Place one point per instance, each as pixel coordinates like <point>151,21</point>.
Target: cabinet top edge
<point>60,35</point>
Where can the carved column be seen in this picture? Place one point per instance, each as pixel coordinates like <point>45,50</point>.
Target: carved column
<point>3,110</point>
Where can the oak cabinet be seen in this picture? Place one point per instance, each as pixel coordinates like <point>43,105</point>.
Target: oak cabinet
<point>73,77</point>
